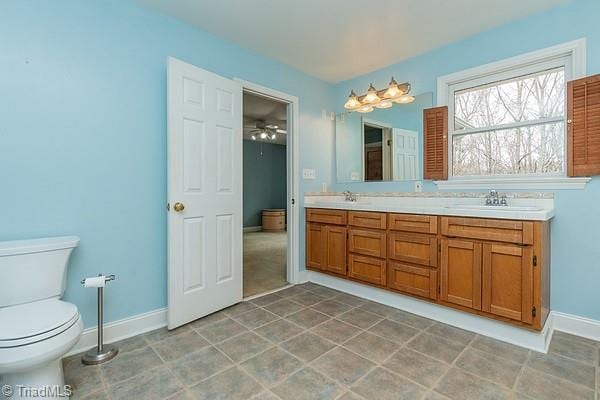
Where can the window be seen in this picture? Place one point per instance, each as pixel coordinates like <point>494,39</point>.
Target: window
<point>510,123</point>
<point>507,121</point>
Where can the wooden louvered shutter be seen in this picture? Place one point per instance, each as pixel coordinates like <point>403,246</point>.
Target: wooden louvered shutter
<point>435,150</point>
<point>583,121</point>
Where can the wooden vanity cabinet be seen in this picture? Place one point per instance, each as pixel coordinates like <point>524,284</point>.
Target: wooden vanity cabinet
<point>367,246</point>
<point>460,273</point>
<point>326,244</point>
<point>491,267</point>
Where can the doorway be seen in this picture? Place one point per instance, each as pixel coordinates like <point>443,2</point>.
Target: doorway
<point>268,187</point>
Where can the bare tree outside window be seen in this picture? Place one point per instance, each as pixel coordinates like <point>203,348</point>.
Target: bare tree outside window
<point>511,127</point>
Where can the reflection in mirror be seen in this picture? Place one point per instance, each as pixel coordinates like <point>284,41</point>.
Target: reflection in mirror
<point>384,145</point>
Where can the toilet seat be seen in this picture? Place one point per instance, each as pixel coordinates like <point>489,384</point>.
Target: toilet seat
<point>29,323</point>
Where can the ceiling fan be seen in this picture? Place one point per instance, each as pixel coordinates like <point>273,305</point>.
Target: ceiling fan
<point>262,129</point>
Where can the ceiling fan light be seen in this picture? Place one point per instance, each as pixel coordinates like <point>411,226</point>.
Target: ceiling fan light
<point>273,136</point>
<point>371,96</point>
<point>393,90</point>
<point>263,135</point>
<point>367,108</point>
<point>253,137</point>
<point>384,104</point>
<point>352,102</point>
<point>405,99</point>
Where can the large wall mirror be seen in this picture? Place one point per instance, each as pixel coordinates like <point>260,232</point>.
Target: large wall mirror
<point>383,145</point>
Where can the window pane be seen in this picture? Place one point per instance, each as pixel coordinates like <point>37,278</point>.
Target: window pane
<point>537,149</point>
<point>525,99</point>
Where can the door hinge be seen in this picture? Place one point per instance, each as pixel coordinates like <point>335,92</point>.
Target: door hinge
<point>293,201</point>
<point>535,261</point>
<point>533,311</point>
<point>168,207</point>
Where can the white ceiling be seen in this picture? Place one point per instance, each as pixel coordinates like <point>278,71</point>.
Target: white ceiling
<point>337,40</point>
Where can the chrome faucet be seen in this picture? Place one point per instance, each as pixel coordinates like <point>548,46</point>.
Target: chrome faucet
<point>349,196</point>
<point>493,199</point>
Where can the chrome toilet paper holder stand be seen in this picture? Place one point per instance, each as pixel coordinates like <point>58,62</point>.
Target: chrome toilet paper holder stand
<point>101,353</point>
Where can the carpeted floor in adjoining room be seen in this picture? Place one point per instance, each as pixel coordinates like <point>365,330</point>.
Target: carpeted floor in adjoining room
<point>265,261</point>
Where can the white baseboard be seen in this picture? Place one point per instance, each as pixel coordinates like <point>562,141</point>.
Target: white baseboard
<point>121,329</point>
<point>252,229</point>
<point>575,325</point>
<point>538,341</point>
<point>303,276</point>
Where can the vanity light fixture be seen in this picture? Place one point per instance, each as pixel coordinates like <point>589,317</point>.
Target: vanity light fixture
<point>384,104</point>
<point>352,102</point>
<point>371,96</point>
<point>367,108</point>
<point>394,93</point>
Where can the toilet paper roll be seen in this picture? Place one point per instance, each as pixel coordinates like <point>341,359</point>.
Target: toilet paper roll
<point>95,281</point>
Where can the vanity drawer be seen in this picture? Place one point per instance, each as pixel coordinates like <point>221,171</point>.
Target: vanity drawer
<point>326,216</point>
<point>498,230</point>
<point>412,279</point>
<point>413,223</point>
<point>413,248</point>
<point>367,242</point>
<point>366,219</point>
<point>367,269</point>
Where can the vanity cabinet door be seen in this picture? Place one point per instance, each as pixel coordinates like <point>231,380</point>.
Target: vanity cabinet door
<point>315,245</point>
<point>367,242</point>
<point>508,281</point>
<point>335,249</point>
<point>413,248</point>
<point>460,273</point>
<point>367,269</point>
<point>412,279</point>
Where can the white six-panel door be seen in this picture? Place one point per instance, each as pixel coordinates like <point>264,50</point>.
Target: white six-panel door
<point>204,176</point>
<point>404,149</point>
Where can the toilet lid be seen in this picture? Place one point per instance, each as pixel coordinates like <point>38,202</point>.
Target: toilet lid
<point>26,322</point>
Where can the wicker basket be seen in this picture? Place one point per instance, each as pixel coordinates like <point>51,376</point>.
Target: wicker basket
<point>273,220</point>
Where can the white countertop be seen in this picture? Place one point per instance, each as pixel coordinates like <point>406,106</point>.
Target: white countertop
<point>519,208</point>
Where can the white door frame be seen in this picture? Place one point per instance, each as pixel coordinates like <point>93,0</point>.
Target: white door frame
<point>293,160</point>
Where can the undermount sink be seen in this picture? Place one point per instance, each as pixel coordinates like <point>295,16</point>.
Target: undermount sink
<point>493,208</point>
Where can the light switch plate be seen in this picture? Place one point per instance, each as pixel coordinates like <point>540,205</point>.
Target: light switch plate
<point>309,173</point>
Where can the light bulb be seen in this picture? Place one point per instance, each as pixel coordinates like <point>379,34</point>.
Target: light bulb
<point>384,104</point>
<point>405,99</point>
<point>371,96</point>
<point>367,108</point>
<point>273,137</point>
<point>253,137</point>
<point>263,135</point>
<point>393,91</point>
<point>352,102</point>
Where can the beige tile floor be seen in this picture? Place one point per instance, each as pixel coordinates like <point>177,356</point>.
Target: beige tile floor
<point>265,262</point>
<point>310,342</point>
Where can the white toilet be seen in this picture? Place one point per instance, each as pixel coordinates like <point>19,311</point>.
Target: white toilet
<point>37,328</point>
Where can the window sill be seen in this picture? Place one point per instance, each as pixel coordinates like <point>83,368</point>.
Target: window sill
<point>541,183</point>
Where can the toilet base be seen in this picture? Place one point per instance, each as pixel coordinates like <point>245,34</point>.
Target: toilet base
<point>45,382</point>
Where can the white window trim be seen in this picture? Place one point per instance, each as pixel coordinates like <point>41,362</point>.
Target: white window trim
<point>576,52</point>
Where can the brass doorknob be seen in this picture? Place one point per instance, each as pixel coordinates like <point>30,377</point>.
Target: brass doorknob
<point>179,207</point>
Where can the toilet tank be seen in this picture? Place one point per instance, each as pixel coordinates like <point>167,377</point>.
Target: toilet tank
<point>34,269</point>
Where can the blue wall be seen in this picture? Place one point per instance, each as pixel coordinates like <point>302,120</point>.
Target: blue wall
<point>83,134</point>
<point>264,179</point>
<point>575,235</point>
